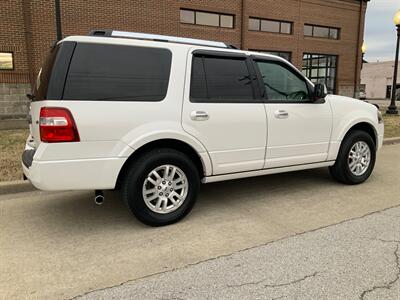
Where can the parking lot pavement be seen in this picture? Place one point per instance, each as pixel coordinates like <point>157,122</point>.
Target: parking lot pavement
<point>356,259</point>
<point>60,245</point>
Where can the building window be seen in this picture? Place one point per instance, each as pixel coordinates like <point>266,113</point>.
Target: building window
<point>284,54</point>
<point>388,92</point>
<point>275,26</point>
<point>321,68</point>
<point>321,32</point>
<point>6,61</point>
<point>206,18</point>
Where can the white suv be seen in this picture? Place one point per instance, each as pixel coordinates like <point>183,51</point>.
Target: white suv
<point>155,116</point>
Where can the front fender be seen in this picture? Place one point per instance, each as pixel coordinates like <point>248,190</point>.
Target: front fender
<point>355,122</point>
<point>347,113</point>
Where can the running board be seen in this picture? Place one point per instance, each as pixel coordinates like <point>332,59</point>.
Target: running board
<point>266,172</point>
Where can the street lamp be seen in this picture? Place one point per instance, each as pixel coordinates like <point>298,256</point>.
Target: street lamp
<point>392,109</point>
<point>363,51</point>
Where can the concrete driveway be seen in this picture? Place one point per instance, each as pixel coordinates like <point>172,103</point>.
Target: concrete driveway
<point>60,245</point>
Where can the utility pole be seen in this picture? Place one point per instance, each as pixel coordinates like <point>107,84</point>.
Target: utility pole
<point>58,20</point>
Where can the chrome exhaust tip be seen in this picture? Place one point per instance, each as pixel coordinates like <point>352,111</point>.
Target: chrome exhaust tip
<point>99,197</point>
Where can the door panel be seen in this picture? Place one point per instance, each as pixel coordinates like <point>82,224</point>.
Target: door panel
<point>301,138</point>
<point>298,129</point>
<point>220,111</point>
<point>234,135</point>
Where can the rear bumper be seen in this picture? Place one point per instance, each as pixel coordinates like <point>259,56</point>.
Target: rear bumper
<point>82,174</point>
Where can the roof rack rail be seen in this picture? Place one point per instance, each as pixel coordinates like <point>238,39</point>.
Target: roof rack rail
<point>158,38</point>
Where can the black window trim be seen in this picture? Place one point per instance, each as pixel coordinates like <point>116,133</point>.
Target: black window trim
<point>209,12</point>
<point>262,90</point>
<point>201,52</point>
<point>12,61</point>
<point>323,26</point>
<point>276,51</point>
<point>231,55</point>
<point>273,20</point>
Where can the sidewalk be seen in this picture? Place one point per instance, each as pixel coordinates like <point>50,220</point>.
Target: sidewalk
<point>383,103</point>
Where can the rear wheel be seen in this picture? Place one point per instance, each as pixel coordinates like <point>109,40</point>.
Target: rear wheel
<point>161,186</point>
<point>356,158</point>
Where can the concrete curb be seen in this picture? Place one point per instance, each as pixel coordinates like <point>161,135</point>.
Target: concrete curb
<point>391,141</point>
<point>20,186</point>
<point>14,187</point>
<point>14,124</point>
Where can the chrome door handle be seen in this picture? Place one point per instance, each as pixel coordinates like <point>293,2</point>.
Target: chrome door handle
<point>199,116</point>
<point>281,114</point>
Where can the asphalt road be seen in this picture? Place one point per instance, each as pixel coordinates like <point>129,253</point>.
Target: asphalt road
<point>357,259</point>
<point>60,245</point>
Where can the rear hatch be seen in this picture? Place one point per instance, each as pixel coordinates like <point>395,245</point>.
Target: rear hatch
<point>49,85</point>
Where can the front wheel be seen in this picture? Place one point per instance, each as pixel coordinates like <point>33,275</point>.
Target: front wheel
<point>160,188</point>
<point>356,158</point>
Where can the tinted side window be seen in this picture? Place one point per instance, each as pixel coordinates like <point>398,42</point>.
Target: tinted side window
<point>220,79</point>
<point>198,87</point>
<point>283,84</point>
<point>119,73</point>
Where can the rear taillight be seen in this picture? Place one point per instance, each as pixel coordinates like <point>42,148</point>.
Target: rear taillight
<point>57,125</point>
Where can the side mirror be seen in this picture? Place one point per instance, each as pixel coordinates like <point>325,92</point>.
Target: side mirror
<point>320,91</point>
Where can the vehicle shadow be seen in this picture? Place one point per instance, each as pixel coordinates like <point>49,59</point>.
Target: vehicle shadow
<point>261,189</point>
<point>275,184</point>
<point>77,210</point>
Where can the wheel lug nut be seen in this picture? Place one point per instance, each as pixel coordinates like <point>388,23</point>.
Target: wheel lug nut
<point>167,194</point>
<point>170,190</point>
<point>163,182</point>
<point>159,187</point>
<point>170,183</point>
<point>161,194</point>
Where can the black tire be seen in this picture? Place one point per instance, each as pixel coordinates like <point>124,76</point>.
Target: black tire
<point>135,177</point>
<point>340,171</point>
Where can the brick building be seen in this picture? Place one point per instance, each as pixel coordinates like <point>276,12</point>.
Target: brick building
<point>321,37</point>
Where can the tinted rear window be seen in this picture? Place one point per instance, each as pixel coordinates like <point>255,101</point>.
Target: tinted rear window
<point>119,73</point>
<point>43,77</point>
<point>50,81</point>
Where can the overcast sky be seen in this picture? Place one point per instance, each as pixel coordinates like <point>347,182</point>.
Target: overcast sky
<point>380,31</point>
